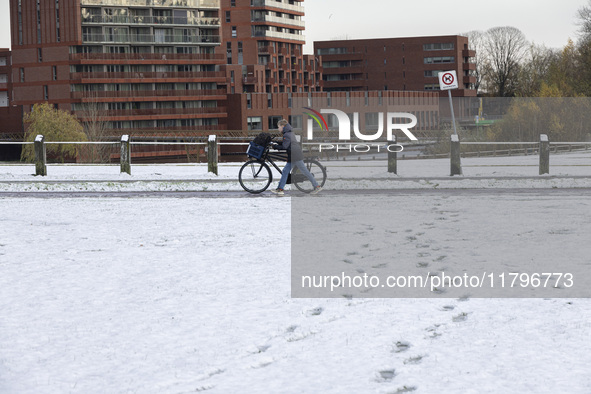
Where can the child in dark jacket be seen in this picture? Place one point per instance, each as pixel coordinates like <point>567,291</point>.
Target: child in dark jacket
<point>295,157</point>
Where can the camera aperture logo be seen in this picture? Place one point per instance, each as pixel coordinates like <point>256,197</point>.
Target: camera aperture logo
<point>344,125</point>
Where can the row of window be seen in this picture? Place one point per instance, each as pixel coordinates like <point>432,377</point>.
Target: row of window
<point>146,105</point>
<point>163,123</point>
<point>426,47</point>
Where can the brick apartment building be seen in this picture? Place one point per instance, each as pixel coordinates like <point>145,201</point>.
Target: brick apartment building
<point>263,47</point>
<point>407,64</point>
<point>159,68</point>
<point>11,125</point>
<point>143,65</point>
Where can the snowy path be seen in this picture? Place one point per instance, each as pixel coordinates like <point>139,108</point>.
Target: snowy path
<point>180,295</point>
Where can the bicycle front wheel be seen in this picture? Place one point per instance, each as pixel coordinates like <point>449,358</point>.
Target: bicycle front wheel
<point>255,176</point>
<point>302,182</point>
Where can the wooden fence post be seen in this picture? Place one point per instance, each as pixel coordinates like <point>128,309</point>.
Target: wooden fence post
<point>125,157</point>
<point>212,154</point>
<point>544,154</point>
<point>456,164</point>
<point>392,156</point>
<point>40,156</point>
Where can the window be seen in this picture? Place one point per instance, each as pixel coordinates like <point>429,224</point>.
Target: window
<point>232,3</point>
<point>39,55</point>
<point>269,100</point>
<point>296,122</point>
<point>45,92</point>
<point>432,73</point>
<point>273,120</point>
<point>20,22</point>
<point>57,20</point>
<point>248,101</point>
<point>54,72</point>
<point>439,59</point>
<point>38,23</point>
<point>234,32</point>
<point>331,51</point>
<point>240,54</point>
<point>229,53</point>
<point>438,47</point>
<point>22,76</point>
<point>228,17</point>
<point>372,120</point>
<point>255,123</point>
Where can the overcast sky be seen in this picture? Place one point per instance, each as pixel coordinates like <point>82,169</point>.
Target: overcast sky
<point>549,22</point>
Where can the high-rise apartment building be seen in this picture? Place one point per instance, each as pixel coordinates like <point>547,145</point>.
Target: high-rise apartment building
<point>409,63</point>
<point>134,64</point>
<point>267,33</point>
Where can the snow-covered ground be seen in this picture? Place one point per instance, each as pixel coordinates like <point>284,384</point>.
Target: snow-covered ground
<point>179,295</point>
<point>566,170</point>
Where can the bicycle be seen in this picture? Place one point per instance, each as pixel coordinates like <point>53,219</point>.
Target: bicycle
<point>255,175</point>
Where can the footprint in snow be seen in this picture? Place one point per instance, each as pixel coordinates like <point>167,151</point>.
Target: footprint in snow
<point>401,346</point>
<point>413,360</point>
<point>405,389</point>
<point>386,375</point>
<point>315,311</point>
<point>460,318</point>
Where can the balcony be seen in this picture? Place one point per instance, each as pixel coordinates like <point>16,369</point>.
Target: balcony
<point>171,94</point>
<point>154,113</point>
<point>266,50</point>
<point>344,83</point>
<point>468,53</point>
<point>277,5</point>
<point>469,79</point>
<point>144,57</point>
<point>147,75</point>
<point>343,70</point>
<point>202,4</point>
<point>150,20</point>
<point>280,35</point>
<point>278,20</point>
<point>3,86</point>
<point>150,39</point>
<point>469,66</point>
<point>250,80</point>
<point>343,57</point>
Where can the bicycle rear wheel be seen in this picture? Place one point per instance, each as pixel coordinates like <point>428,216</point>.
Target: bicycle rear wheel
<point>255,176</point>
<point>300,181</point>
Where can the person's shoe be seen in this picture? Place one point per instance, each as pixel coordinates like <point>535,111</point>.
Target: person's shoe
<point>278,191</point>
<point>316,190</point>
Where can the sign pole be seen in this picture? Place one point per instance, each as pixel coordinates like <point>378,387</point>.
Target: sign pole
<point>451,106</point>
<point>448,80</point>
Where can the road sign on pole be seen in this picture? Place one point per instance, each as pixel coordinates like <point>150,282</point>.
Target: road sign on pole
<point>448,80</point>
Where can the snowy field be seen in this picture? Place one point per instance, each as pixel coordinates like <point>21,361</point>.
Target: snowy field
<point>156,294</point>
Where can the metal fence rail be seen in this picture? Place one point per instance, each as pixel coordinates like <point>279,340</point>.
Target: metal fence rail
<point>541,148</point>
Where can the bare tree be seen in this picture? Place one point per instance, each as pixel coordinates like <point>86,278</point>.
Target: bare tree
<point>535,70</point>
<point>476,43</point>
<point>584,20</point>
<point>94,119</point>
<point>504,48</point>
